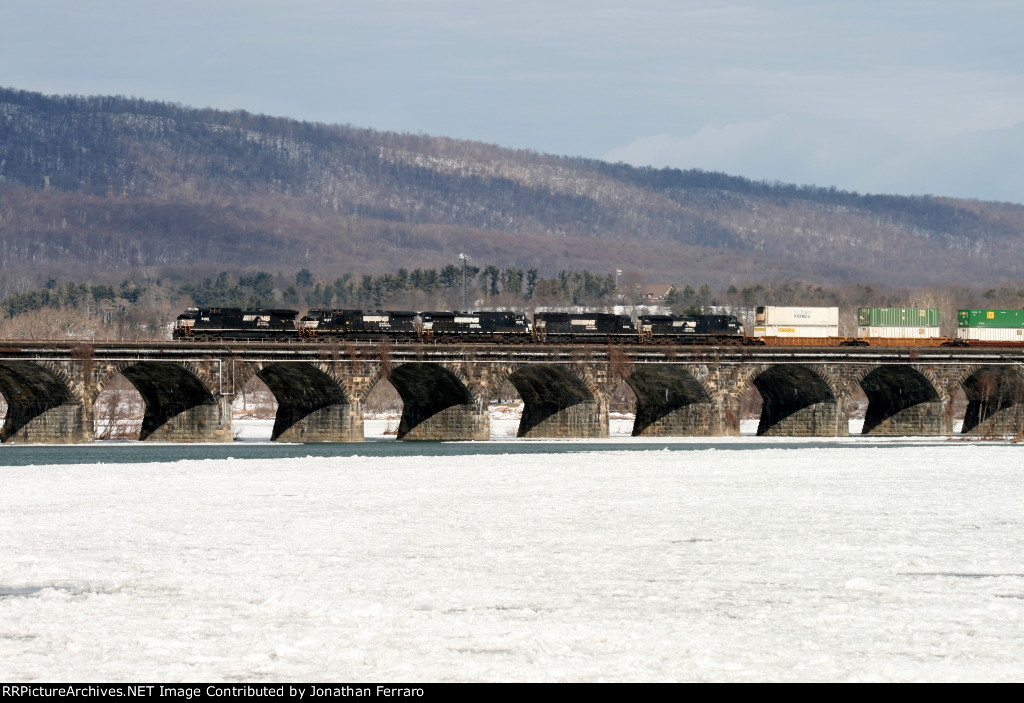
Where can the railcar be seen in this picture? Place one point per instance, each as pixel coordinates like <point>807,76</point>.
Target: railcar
<point>235,323</point>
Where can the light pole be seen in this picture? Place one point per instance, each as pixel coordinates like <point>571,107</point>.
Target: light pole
<point>465,284</point>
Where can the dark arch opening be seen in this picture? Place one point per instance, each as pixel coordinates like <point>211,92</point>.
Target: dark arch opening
<point>662,390</point>
<point>167,390</point>
<point>300,390</point>
<point>426,390</point>
<point>29,390</point>
<point>546,391</point>
<point>787,390</point>
<point>994,396</point>
<point>892,390</point>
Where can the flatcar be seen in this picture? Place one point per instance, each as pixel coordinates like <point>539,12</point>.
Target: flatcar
<point>235,323</point>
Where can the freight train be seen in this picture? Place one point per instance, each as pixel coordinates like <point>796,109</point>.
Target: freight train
<point>773,326</point>
<point>213,324</point>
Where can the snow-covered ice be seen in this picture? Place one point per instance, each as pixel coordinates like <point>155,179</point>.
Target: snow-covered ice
<point>904,562</point>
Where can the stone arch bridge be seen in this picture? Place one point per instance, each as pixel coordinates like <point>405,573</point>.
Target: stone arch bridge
<point>187,388</point>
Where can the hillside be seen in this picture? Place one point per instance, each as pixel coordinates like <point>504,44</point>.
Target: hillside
<point>94,185</point>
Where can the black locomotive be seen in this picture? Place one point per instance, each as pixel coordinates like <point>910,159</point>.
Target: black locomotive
<point>357,323</point>
<point>691,329</point>
<point>235,323</point>
<point>566,326</point>
<point>476,326</point>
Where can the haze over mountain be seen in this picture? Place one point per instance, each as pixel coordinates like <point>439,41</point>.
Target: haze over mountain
<point>110,184</point>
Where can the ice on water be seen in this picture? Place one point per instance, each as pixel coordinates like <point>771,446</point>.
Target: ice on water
<point>896,563</point>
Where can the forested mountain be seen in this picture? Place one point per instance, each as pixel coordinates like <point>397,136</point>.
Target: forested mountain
<point>109,185</point>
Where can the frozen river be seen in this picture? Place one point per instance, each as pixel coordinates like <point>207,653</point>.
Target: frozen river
<point>794,561</point>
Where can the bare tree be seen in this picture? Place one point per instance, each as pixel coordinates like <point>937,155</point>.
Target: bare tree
<point>118,409</point>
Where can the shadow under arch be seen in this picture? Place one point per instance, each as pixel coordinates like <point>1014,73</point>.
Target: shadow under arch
<point>311,406</point>
<point>797,402</point>
<point>557,403</point>
<point>436,404</point>
<point>994,401</point>
<point>670,401</point>
<point>40,406</point>
<point>179,407</point>
<point>901,401</point>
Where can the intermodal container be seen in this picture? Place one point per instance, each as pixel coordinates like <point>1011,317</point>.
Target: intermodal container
<point>775,321</point>
<point>990,325</point>
<point>1002,319</point>
<point>899,332</point>
<point>796,331</point>
<point>898,317</point>
<point>898,323</point>
<point>991,334</point>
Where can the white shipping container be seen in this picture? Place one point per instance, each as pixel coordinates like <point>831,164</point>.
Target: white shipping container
<point>991,334</point>
<point>769,316</point>
<point>796,331</point>
<point>899,332</point>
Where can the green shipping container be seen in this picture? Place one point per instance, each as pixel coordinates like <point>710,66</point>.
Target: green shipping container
<point>897,317</point>
<point>999,319</point>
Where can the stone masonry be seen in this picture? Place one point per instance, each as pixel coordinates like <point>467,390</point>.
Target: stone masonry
<point>187,390</point>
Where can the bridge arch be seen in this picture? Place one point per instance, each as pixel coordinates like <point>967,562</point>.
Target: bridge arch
<point>42,405</point>
<point>995,400</point>
<point>902,400</point>
<point>798,401</point>
<point>559,401</point>
<point>180,405</point>
<point>437,403</point>
<point>670,401</point>
<point>312,404</point>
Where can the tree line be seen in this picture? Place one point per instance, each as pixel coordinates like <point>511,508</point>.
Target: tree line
<point>147,310</point>
<point>58,295</point>
<point>487,285</point>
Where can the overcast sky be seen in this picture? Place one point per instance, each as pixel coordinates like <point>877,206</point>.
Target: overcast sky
<point>881,96</point>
